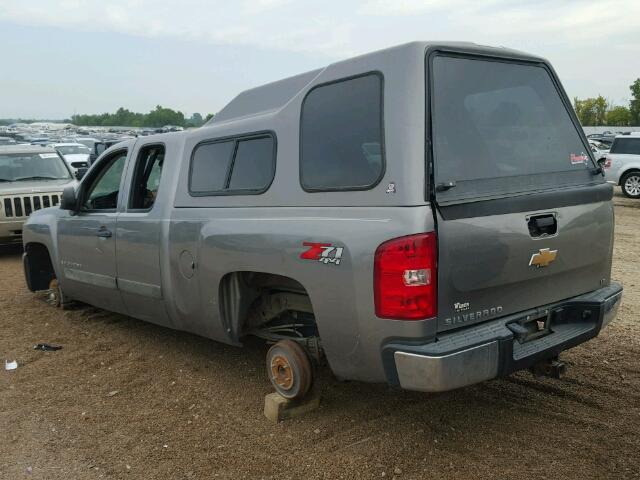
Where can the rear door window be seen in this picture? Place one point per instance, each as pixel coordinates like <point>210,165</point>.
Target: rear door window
<point>500,129</point>
<point>146,177</point>
<point>626,145</point>
<point>342,136</point>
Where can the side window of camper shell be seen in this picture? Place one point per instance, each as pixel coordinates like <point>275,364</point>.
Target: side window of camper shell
<point>233,166</point>
<point>342,135</point>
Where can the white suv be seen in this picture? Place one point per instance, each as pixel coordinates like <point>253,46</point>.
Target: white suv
<point>622,165</point>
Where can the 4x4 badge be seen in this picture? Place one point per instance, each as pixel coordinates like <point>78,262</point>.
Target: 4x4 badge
<point>322,252</point>
<point>543,258</point>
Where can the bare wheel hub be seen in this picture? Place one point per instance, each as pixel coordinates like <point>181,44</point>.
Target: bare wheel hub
<point>53,295</point>
<point>281,372</point>
<point>289,369</point>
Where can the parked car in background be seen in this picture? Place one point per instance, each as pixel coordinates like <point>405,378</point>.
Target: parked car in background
<point>39,140</point>
<point>7,141</point>
<point>603,139</point>
<point>75,154</point>
<point>87,141</point>
<point>31,178</point>
<point>599,149</point>
<point>100,147</point>
<point>622,165</point>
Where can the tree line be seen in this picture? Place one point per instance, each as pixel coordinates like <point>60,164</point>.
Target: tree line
<point>596,111</point>
<point>159,117</point>
<point>599,111</point>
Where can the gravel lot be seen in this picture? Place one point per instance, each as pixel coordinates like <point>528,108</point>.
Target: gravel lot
<point>125,399</point>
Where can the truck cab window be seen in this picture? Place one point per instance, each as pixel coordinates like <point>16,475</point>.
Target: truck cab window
<point>146,178</point>
<point>103,192</point>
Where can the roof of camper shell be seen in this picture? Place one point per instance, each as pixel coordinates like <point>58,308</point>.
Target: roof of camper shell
<point>271,97</point>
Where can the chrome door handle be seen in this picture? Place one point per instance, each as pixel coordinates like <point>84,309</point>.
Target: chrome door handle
<point>103,232</point>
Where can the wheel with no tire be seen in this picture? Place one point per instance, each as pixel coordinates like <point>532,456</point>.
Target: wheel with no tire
<point>630,184</point>
<point>289,369</point>
<point>55,297</point>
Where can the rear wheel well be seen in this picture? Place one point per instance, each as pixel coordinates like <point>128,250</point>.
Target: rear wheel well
<point>38,268</point>
<point>268,306</point>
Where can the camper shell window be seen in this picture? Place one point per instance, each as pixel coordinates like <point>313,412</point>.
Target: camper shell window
<point>342,135</point>
<point>501,128</point>
<point>233,166</point>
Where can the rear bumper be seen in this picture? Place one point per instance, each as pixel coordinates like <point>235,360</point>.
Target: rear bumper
<point>491,350</point>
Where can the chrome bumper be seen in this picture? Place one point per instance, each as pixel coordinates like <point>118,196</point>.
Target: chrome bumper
<point>450,363</point>
<point>437,374</point>
<point>8,230</point>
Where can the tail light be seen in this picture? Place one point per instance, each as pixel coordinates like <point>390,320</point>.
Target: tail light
<point>607,162</point>
<point>405,273</point>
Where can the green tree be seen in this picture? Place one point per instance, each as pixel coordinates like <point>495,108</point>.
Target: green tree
<point>196,120</point>
<point>634,104</point>
<point>125,118</point>
<point>601,107</point>
<point>592,111</point>
<point>163,116</point>
<point>618,116</point>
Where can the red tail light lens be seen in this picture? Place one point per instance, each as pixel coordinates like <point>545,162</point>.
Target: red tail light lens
<point>607,162</point>
<point>405,276</point>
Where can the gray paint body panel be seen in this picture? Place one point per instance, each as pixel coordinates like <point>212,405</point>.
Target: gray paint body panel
<point>210,237</point>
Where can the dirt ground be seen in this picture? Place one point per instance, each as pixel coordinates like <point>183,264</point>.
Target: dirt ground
<point>125,399</point>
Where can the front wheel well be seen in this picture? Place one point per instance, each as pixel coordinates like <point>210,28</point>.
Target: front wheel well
<point>38,267</point>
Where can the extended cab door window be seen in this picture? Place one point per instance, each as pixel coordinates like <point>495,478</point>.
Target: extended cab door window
<point>146,177</point>
<point>103,192</point>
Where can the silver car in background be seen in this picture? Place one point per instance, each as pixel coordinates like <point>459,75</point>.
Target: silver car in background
<point>622,165</point>
<point>75,154</point>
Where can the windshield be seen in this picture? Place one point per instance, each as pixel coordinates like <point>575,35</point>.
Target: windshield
<point>74,150</point>
<point>32,166</point>
<point>501,128</point>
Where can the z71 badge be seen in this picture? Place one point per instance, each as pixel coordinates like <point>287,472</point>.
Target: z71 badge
<point>322,252</point>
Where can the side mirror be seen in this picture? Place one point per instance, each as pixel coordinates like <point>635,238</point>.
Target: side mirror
<point>69,200</point>
<point>80,172</point>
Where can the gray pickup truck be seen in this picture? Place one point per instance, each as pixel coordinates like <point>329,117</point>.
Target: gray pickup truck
<point>429,215</point>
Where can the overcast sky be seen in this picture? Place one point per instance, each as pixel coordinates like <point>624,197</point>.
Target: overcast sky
<point>66,56</point>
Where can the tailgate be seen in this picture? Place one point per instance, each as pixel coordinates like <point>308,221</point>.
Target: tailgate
<point>523,217</point>
<point>503,263</point>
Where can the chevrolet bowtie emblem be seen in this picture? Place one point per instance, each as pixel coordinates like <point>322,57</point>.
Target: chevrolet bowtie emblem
<point>543,258</point>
